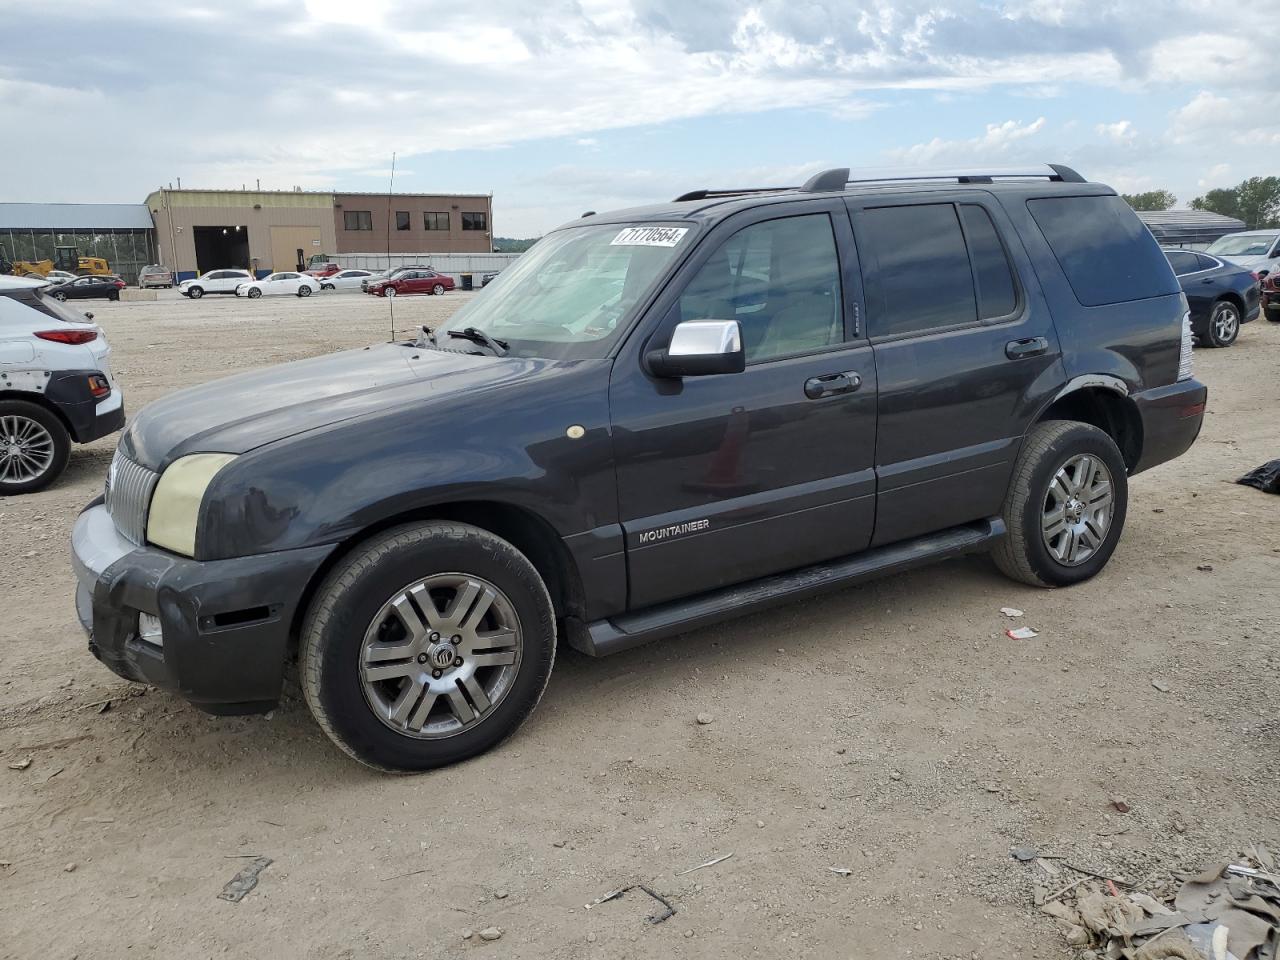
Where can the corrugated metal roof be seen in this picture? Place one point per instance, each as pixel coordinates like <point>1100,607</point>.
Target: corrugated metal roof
<point>74,216</point>
<point>1188,226</point>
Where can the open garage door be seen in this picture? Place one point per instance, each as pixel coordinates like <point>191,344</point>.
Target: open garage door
<point>220,248</point>
<point>292,247</point>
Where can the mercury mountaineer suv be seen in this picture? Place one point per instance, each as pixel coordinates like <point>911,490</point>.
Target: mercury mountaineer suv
<point>655,419</point>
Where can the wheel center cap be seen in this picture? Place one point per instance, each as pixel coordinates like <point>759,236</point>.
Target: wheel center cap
<point>1075,511</point>
<point>442,655</point>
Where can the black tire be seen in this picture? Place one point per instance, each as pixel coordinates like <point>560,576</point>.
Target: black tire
<point>438,289</point>
<point>352,596</point>
<point>254,293</point>
<point>1023,554</point>
<point>56,431</point>
<point>195,293</point>
<point>304,290</point>
<point>114,296</point>
<point>327,286</point>
<point>1273,314</point>
<point>1224,325</point>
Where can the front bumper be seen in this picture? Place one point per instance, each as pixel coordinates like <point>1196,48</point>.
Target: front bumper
<point>1171,420</point>
<point>226,623</point>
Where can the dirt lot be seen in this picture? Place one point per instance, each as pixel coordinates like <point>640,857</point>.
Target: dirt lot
<point>892,729</point>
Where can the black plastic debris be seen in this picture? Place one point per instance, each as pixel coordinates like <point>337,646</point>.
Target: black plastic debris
<point>1266,477</point>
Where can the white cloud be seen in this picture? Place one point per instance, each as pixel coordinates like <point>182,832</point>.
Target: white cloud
<point>1001,141</point>
<point>1119,132</point>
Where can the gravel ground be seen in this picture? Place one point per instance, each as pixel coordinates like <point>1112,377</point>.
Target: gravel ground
<point>891,729</point>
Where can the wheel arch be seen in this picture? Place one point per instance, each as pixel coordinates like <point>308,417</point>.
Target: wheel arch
<point>40,401</point>
<point>525,530</point>
<point>1104,402</point>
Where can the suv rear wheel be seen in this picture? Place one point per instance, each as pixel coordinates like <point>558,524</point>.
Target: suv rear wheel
<point>427,645</point>
<point>34,446</point>
<point>1066,505</point>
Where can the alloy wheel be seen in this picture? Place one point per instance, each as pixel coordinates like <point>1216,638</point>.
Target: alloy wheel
<point>441,655</point>
<point>26,449</point>
<point>1225,322</point>
<point>1078,509</point>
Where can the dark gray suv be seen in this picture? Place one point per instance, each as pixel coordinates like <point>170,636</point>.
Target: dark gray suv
<point>655,419</point>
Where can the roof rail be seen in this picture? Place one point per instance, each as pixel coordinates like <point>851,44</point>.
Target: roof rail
<point>711,194</point>
<point>837,178</point>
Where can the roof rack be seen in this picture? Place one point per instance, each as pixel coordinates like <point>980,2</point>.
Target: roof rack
<point>837,178</point>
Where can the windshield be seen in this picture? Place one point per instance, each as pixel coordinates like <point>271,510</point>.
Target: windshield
<point>1256,245</point>
<point>569,296</point>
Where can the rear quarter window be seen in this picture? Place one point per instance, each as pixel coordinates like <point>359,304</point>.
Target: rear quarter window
<point>1105,251</point>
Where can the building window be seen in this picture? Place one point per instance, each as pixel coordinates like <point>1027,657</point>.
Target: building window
<point>402,219</point>
<point>357,219</point>
<point>435,221</point>
<point>475,221</point>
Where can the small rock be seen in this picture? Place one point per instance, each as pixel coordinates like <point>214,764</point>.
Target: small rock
<point>1160,685</point>
<point>840,750</point>
<point>468,934</point>
<point>1024,854</point>
<point>591,938</point>
<point>1157,510</point>
<point>20,764</point>
<point>918,926</point>
<point>490,933</point>
<point>895,775</point>
<point>1121,805</point>
<point>1011,612</point>
<point>821,805</point>
<point>1179,826</point>
<point>688,934</point>
<point>500,895</point>
<point>558,843</point>
<point>1205,568</point>
<point>705,718</point>
<point>992,788</point>
<point>760,824</point>
<point>70,868</point>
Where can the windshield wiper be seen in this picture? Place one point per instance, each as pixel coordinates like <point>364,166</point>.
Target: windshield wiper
<point>499,347</point>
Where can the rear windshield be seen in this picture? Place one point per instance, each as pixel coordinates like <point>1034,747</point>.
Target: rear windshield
<point>1104,249</point>
<point>34,297</point>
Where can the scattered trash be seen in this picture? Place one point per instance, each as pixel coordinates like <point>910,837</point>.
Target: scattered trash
<point>401,876</point>
<point>490,933</point>
<point>1021,633</point>
<point>666,913</point>
<point>1205,567</point>
<point>709,863</point>
<point>1160,685</point>
<point>705,718</point>
<point>238,887</point>
<point>1229,912</point>
<point>841,871</point>
<point>20,764</point>
<point>1011,612</point>
<point>1266,478</point>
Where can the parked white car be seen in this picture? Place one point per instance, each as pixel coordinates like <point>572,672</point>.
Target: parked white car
<point>344,280</point>
<point>1256,250</point>
<point>58,386</point>
<point>278,284</point>
<point>59,276</point>
<point>215,281</point>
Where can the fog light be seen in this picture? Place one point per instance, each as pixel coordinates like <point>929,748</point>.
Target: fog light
<point>150,630</point>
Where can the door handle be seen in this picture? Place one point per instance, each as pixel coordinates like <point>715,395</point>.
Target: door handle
<point>815,388</point>
<point>1031,347</point>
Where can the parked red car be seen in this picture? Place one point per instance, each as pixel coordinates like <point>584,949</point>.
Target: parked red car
<point>1271,296</point>
<point>323,270</point>
<point>410,282</point>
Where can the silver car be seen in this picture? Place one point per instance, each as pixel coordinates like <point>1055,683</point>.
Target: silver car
<point>154,275</point>
<point>1256,250</point>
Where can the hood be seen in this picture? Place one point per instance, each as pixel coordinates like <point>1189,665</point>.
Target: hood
<point>239,413</point>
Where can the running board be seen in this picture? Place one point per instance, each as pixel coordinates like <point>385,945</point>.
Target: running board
<point>615,634</point>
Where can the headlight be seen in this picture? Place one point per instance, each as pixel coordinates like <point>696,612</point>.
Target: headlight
<point>175,506</point>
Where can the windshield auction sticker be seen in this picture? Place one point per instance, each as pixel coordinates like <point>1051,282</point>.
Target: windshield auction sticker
<point>649,237</point>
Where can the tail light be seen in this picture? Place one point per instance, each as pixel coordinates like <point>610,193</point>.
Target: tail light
<point>99,386</point>
<point>1184,355</point>
<point>72,337</point>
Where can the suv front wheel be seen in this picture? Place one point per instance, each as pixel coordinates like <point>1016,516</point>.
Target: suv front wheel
<point>1066,505</point>
<point>427,645</point>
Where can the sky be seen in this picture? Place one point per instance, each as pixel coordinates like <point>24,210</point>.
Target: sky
<point>561,106</point>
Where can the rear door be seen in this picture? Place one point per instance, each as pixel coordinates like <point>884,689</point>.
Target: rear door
<point>965,353</point>
<point>722,479</point>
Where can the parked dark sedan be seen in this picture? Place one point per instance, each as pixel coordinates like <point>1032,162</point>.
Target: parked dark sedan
<point>87,288</point>
<point>1221,295</point>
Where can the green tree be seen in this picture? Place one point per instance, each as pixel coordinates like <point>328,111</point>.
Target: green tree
<point>1256,201</point>
<point>1151,200</point>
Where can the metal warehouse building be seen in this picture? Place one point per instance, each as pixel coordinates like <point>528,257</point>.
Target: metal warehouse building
<point>119,232</point>
<point>267,230</point>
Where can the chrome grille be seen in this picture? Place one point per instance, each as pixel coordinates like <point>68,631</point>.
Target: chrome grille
<point>128,495</point>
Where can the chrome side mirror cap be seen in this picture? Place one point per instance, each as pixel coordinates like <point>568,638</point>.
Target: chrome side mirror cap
<point>700,348</point>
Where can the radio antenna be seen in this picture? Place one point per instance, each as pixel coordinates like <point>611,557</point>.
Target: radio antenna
<point>391,301</point>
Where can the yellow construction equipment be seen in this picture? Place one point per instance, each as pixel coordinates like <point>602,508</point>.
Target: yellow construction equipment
<point>65,258</point>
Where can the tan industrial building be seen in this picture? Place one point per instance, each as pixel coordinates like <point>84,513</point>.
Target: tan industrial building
<point>269,230</point>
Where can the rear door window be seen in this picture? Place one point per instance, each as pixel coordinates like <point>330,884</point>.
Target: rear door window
<point>997,293</point>
<point>1183,262</point>
<point>1107,254</point>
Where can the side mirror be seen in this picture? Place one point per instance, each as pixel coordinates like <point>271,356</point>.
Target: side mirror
<point>699,348</point>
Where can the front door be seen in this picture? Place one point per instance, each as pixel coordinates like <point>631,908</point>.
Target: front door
<point>966,355</point>
<point>726,478</point>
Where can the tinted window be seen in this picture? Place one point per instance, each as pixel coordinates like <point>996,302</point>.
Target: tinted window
<point>921,278</point>
<point>435,221</point>
<point>1206,263</point>
<point>357,219</point>
<point>475,221</point>
<point>780,279</point>
<point>402,219</point>
<point>1104,249</point>
<point>997,296</point>
<point>1182,262</point>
